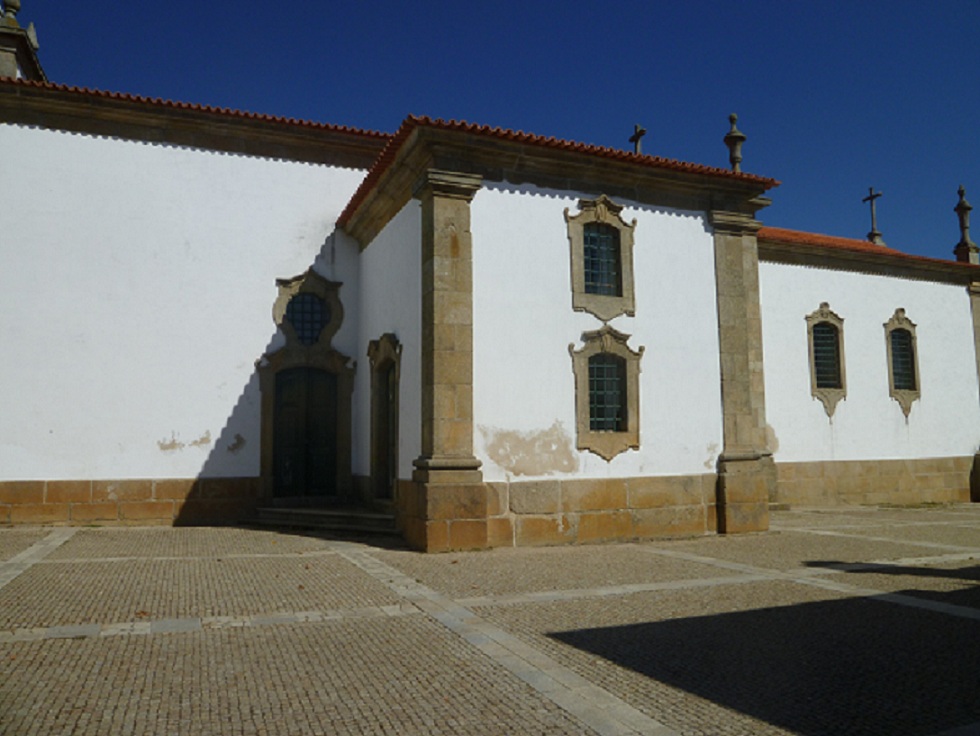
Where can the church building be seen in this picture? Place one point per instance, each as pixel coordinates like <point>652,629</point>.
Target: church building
<point>484,337</point>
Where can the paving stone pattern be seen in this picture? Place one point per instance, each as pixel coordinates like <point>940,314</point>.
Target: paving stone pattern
<point>15,541</point>
<point>849,621</point>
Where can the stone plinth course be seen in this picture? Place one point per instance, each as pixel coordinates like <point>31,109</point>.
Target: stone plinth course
<point>853,621</point>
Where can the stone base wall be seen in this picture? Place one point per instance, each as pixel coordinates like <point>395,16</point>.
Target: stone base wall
<point>606,510</point>
<point>535,513</point>
<point>454,516</point>
<point>142,501</point>
<point>872,482</point>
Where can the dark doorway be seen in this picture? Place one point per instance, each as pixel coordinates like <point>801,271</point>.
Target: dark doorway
<point>305,434</point>
<point>387,431</point>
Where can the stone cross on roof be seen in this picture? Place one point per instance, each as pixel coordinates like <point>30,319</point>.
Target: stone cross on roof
<point>874,236</point>
<point>638,132</point>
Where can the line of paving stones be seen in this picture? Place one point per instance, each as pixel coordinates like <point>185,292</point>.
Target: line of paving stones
<point>807,577</point>
<point>870,538</point>
<point>596,707</point>
<point>177,625</point>
<point>608,591</point>
<point>20,563</point>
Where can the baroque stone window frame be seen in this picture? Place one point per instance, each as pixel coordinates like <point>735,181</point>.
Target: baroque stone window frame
<point>308,283</point>
<point>606,444</point>
<point>829,397</point>
<point>383,353</point>
<point>601,210</point>
<point>320,355</point>
<point>904,397</point>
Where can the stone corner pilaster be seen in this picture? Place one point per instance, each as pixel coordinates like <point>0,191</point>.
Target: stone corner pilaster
<point>746,472</point>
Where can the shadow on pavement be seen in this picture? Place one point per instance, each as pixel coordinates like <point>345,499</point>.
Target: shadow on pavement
<point>852,666</point>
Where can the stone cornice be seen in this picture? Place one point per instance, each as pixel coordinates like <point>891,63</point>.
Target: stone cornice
<point>156,121</point>
<point>882,263</point>
<point>447,184</point>
<point>733,223</point>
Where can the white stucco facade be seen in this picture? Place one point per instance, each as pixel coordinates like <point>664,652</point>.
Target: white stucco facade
<point>391,302</point>
<point>145,378</point>
<point>524,393</point>
<point>137,287</point>
<point>868,424</point>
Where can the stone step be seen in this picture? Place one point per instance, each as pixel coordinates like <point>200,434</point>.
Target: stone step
<point>344,520</point>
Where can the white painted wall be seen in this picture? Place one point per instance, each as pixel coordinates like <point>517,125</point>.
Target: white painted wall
<point>523,324</point>
<point>391,301</point>
<point>136,288</point>
<point>868,423</point>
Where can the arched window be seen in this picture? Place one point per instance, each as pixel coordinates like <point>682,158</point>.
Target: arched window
<point>826,355</point>
<point>601,248</point>
<point>603,272</point>
<point>607,386</point>
<point>607,393</point>
<point>903,360</point>
<point>825,335</point>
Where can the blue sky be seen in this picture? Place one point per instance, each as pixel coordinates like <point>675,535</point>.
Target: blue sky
<point>834,96</point>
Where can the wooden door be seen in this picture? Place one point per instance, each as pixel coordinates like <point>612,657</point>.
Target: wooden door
<point>305,433</point>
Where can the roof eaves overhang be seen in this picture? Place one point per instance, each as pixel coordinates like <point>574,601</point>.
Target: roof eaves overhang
<point>150,120</point>
<point>500,156</point>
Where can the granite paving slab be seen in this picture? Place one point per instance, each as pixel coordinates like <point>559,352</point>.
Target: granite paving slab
<point>765,658</point>
<point>376,676</point>
<point>127,542</point>
<point>15,541</point>
<point>508,571</point>
<point>58,593</point>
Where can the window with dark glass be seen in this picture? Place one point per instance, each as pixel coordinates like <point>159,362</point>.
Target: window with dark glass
<point>903,360</point>
<point>826,355</point>
<point>308,314</point>
<point>603,274</point>
<point>607,393</point>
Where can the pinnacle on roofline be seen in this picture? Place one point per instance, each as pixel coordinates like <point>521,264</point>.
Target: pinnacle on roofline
<point>966,251</point>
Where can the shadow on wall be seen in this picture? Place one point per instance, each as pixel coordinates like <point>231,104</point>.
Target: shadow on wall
<point>218,495</point>
<point>221,493</point>
<point>844,666</point>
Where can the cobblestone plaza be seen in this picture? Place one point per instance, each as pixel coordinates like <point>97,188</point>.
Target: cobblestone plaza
<point>848,621</point>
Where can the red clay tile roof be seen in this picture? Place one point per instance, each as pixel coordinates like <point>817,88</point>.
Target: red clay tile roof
<point>781,235</point>
<point>174,105</point>
<point>412,122</point>
<point>824,241</point>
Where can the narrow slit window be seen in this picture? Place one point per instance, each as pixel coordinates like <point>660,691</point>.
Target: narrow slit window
<point>826,355</point>
<point>603,274</point>
<point>607,394</point>
<point>903,360</point>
